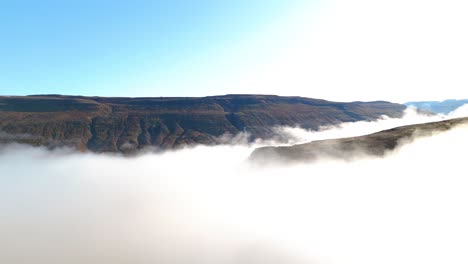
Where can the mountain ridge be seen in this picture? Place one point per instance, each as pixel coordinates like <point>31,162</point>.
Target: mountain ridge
<point>438,107</point>
<point>375,144</point>
<point>125,124</point>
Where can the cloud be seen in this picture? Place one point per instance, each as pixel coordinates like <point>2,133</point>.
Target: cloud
<point>461,111</point>
<point>207,205</point>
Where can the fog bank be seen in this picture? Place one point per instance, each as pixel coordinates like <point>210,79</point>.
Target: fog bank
<point>208,205</point>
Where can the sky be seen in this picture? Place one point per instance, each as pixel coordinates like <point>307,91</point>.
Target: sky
<point>402,50</point>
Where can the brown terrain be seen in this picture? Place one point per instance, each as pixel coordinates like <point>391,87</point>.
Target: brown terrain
<point>101,124</point>
<point>376,144</point>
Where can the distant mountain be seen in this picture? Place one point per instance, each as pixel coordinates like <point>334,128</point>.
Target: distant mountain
<point>443,107</point>
<point>102,124</point>
<point>376,144</point>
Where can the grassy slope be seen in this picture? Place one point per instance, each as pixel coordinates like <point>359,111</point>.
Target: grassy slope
<point>376,144</point>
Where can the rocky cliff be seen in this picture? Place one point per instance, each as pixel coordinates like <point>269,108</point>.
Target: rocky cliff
<point>102,124</point>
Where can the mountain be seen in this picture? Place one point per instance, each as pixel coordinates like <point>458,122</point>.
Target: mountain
<point>107,124</point>
<point>443,107</point>
<point>376,144</point>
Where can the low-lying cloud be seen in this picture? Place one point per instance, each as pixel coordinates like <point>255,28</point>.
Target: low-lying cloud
<point>208,205</point>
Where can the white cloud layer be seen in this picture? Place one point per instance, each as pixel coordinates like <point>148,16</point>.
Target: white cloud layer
<point>207,205</point>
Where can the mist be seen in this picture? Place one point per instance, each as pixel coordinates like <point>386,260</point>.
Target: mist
<point>210,205</point>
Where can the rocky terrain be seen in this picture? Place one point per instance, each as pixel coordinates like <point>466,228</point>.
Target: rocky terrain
<point>101,124</point>
<point>376,144</point>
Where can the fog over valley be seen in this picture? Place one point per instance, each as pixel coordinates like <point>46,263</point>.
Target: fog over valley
<point>233,132</point>
<point>211,205</point>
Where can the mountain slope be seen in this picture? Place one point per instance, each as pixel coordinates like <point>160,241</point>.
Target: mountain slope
<point>443,107</point>
<point>376,144</point>
<point>102,124</point>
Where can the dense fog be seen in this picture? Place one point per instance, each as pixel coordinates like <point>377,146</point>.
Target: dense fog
<point>210,205</point>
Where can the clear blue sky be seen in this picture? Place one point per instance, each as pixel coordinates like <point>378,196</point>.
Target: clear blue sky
<point>113,47</point>
<point>400,50</point>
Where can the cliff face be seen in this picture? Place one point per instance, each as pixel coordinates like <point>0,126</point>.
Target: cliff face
<point>102,124</point>
<point>376,144</point>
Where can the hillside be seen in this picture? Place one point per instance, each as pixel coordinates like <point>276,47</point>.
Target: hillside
<point>102,124</point>
<point>376,144</point>
<point>443,107</point>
